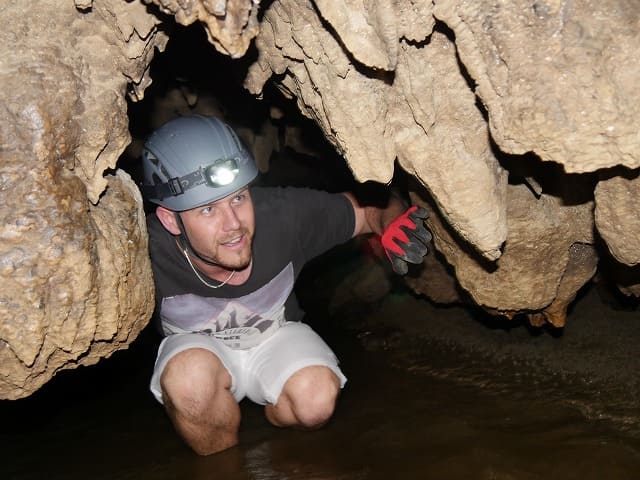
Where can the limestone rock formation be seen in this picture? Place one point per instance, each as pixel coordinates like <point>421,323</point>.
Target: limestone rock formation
<point>617,216</point>
<point>463,95</point>
<point>403,117</point>
<point>73,246</point>
<point>551,78</point>
<point>543,262</point>
<point>555,77</point>
<point>230,24</point>
<point>618,222</point>
<point>436,281</point>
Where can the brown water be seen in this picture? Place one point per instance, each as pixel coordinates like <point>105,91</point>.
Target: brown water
<point>433,393</point>
<point>426,411</point>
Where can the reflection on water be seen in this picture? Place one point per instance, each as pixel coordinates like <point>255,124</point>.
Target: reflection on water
<point>391,422</point>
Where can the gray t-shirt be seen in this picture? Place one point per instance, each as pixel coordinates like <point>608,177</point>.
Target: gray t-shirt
<point>293,225</point>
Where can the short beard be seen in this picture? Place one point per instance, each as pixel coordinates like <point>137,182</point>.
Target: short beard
<point>238,264</point>
<point>215,261</point>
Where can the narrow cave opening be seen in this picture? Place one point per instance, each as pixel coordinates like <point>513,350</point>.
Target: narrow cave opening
<point>191,77</point>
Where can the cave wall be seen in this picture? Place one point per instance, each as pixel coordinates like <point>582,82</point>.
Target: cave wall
<point>74,267</point>
<point>462,102</point>
<point>518,121</point>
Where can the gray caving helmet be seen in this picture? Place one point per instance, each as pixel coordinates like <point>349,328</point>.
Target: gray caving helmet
<point>192,161</point>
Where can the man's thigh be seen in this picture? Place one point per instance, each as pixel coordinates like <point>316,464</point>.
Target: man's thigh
<point>175,344</point>
<point>293,347</point>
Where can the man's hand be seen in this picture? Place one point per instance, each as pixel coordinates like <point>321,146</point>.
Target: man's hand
<point>405,239</point>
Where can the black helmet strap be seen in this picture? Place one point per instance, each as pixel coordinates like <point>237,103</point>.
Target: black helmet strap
<point>184,240</point>
<point>174,187</point>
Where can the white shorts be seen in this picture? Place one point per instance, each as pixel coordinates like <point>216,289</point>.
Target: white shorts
<point>260,372</point>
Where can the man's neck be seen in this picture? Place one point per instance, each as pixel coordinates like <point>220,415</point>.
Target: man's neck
<point>216,272</point>
<point>221,274</point>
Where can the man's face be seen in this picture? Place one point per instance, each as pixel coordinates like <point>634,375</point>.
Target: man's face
<point>222,231</point>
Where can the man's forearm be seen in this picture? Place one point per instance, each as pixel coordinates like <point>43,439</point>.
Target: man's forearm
<point>378,218</point>
<point>374,219</point>
<point>404,236</point>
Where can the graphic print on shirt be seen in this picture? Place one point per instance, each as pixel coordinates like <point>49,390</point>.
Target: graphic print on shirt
<point>241,322</point>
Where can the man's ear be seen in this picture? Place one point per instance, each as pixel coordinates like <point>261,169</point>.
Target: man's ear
<point>168,219</point>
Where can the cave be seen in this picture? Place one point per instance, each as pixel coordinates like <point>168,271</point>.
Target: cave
<point>512,347</point>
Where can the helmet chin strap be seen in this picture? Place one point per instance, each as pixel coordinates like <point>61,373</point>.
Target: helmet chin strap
<point>185,241</point>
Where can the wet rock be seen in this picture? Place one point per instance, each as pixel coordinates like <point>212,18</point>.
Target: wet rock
<point>581,267</point>
<point>425,115</point>
<point>617,218</point>
<point>448,104</point>
<point>436,281</point>
<point>76,278</point>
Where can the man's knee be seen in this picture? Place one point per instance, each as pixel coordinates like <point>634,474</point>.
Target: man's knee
<point>312,393</point>
<point>191,380</point>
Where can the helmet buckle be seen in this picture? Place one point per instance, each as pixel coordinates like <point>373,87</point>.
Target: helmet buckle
<point>175,186</point>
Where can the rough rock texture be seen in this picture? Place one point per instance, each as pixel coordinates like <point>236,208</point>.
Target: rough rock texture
<point>76,280</point>
<point>581,267</point>
<point>436,281</point>
<point>230,24</point>
<point>550,77</point>
<point>368,29</point>
<point>422,112</point>
<point>456,92</point>
<point>547,257</point>
<point>617,217</point>
<point>556,77</point>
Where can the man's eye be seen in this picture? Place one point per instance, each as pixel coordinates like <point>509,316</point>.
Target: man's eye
<point>240,197</point>
<point>206,210</point>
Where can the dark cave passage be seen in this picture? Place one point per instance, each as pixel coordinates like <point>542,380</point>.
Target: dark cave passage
<point>190,77</point>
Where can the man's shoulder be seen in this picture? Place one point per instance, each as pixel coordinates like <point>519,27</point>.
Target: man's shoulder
<point>264,193</point>
<point>293,197</point>
<point>311,217</point>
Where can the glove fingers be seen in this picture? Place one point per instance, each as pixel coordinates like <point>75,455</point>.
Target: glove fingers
<point>415,248</point>
<point>407,240</point>
<point>399,265</point>
<point>421,233</point>
<point>419,213</point>
<point>418,217</point>
<point>415,253</point>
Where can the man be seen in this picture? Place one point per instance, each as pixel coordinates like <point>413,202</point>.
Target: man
<point>225,258</point>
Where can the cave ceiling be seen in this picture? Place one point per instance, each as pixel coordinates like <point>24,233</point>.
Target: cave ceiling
<point>518,122</point>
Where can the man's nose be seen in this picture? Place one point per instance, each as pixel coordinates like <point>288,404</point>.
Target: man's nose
<point>231,220</point>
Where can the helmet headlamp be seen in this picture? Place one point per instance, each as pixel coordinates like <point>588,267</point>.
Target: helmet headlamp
<point>221,173</point>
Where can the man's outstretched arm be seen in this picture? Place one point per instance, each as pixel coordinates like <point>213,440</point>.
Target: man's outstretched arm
<point>402,231</point>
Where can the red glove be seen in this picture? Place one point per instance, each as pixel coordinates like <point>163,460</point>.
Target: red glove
<point>405,239</point>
